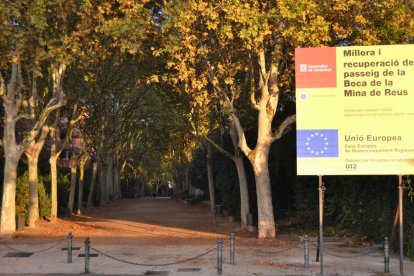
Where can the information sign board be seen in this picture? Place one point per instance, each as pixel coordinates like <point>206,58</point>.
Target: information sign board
<point>355,110</point>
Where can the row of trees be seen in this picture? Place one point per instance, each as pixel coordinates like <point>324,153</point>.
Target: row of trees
<point>145,80</point>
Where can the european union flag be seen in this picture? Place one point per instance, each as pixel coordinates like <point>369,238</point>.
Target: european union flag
<point>317,143</point>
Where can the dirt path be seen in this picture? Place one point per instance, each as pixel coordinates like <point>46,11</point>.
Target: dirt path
<point>143,221</point>
<point>142,236</point>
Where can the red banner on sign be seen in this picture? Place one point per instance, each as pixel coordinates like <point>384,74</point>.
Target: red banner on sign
<point>315,67</point>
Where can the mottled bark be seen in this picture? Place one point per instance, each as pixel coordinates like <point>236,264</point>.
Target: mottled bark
<point>80,190</point>
<point>266,107</point>
<point>12,154</point>
<point>33,191</point>
<point>241,173</point>
<point>266,221</point>
<point>54,155</point>
<point>32,154</point>
<point>53,188</point>
<point>244,190</point>
<point>8,210</point>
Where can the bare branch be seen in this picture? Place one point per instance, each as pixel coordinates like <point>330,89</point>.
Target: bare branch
<point>44,132</point>
<point>19,96</point>
<point>22,116</point>
<point>253,100</point>
<point>80,116</point>
<point>51,106</point>
<point>284,127</point>
<point>33,97</point>
<point>240,133</point>
<point>262,65</point>
<point>274,89</point>
<point>219,149</point>
<point>202,137</point>
<point>10,93</point>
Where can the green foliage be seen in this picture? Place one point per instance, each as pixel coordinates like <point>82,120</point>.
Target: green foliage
<point>194,199</point>
<point>22,195</point>
<point>44,196</point>
<point>63,189</point>
<point>44,201</point>
<point>227,183</point>
<point>362,205</point>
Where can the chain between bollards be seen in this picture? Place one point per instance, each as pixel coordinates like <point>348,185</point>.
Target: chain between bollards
<point>219,255</point>
<point>386,256</point>
<point>232,248</point>
<point>87,249</point>
<point>70,247</point>
<point>306,250</point>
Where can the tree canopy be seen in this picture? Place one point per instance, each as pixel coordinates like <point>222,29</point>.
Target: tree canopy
<point>143,80</point>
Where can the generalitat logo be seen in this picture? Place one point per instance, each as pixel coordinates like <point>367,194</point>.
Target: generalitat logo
<point>304,68</point>
<point>315,67</point>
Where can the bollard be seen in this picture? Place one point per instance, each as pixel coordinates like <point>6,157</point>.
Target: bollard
<point>70,247</point>
<point>232,248</point>
<point>386,256</point>
<point>306,250</point>
<point>219,256</point>
<point>87,246</point>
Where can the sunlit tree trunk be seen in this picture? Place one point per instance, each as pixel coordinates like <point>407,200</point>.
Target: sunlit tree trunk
<point>241,173</point>
<point>81,181</point>
<point>92,186</point>
<point>266,107</point>
<point>266,221</point>
<point>8,210</point>
<point>53,189</point>
<point>33,190</point>
<point>57,75</point>
<point>12,100</point>
<point>32,154</point>
<point>12,153</point>
<point>53,175</point>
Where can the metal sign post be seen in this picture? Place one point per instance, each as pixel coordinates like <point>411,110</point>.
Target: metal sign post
<point>321,199</point>
<point>400,201</point>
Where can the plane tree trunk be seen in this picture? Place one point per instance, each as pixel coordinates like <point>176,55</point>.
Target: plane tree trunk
<point>266,106</point>
<point>32,153</point>
<point>92,185</point>
<point>241,173</point>
<point>210,178</point>
<point>12,98</point>
<point>81,181</point>
<point>72,189</point>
